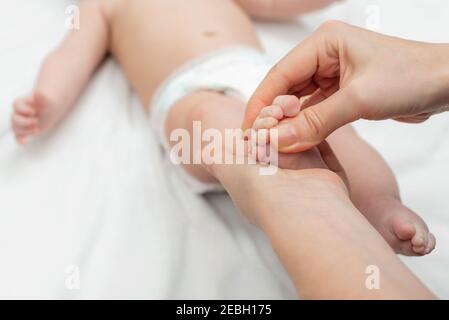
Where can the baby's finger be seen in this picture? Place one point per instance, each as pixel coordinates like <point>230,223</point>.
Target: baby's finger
<point>21,123</point>
<point>26,131</point>
<point>273,112</point>
<point>22,140</point>
<point>24,109</point>
<point>265,123</point>
<point>24,122</point>
<point>289,104</point>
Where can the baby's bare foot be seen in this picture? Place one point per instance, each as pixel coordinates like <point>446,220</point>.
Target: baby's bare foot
<point>405,231</point>
<point>30,117</point>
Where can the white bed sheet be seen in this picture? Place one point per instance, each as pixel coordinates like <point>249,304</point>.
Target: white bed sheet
<point>95,201</point>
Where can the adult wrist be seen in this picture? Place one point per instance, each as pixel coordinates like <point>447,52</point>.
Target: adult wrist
<point>325,199</point>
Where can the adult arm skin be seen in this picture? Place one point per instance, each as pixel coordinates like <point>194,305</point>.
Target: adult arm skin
<point>323,242</point>
<point>350,73</point>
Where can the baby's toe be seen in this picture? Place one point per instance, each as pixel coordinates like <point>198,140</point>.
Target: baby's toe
<point>23,125</point>
<point>427,246</point>
<point>412,238</point>
<point>265,123</point>
<point>261,154</point>
<point>23,109</point>
<point>290,105</point>
<point>422,240</point>
<point>404,230</point>
<point>431,244</point>
<point>258,137</point>
<point>419,250</point>
<point>273,112</point>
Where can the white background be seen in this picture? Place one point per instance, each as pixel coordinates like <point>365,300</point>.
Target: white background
<point>97,195</point>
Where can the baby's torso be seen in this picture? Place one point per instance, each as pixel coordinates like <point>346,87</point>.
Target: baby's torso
<point>152,38</point>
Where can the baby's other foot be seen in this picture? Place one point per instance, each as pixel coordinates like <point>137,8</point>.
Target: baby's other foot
<point>27,118</point>
<point>403,229</point>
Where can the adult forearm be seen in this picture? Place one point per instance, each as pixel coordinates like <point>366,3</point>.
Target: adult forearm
<point>329,249</point>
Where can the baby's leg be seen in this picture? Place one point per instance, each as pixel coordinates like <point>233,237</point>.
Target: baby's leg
<point>373,187</point>
<point>203,106</point>
<point>375,193</point>
<point>63,74</point>
<point>215,111</point>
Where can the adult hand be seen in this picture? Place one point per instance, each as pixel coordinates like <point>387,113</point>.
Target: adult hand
<point>349,73</point>
<point>321,239</point>
<point>313,174</point>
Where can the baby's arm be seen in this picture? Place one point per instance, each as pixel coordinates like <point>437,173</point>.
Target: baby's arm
<point>63,74</point>
<point>281,9</point>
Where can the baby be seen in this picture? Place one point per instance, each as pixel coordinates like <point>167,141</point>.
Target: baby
<point>200,60</point>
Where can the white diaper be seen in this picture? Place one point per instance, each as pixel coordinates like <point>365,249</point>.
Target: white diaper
<point>235,72</point>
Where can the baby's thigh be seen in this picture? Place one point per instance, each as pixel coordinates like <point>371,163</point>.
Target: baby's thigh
<point>223,113</point>
<point>211,109</point>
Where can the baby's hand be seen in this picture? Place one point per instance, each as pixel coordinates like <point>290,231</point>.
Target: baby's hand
<point>27,116</point>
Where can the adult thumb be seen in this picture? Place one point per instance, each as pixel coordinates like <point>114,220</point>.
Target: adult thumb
<point>315,123</point>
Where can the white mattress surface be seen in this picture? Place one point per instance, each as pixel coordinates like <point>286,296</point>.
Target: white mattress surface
<point>92,211</point>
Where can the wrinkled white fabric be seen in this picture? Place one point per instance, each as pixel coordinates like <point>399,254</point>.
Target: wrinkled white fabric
<point>93,205</point>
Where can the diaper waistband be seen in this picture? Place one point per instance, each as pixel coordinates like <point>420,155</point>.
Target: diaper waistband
<point>235,71</point>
